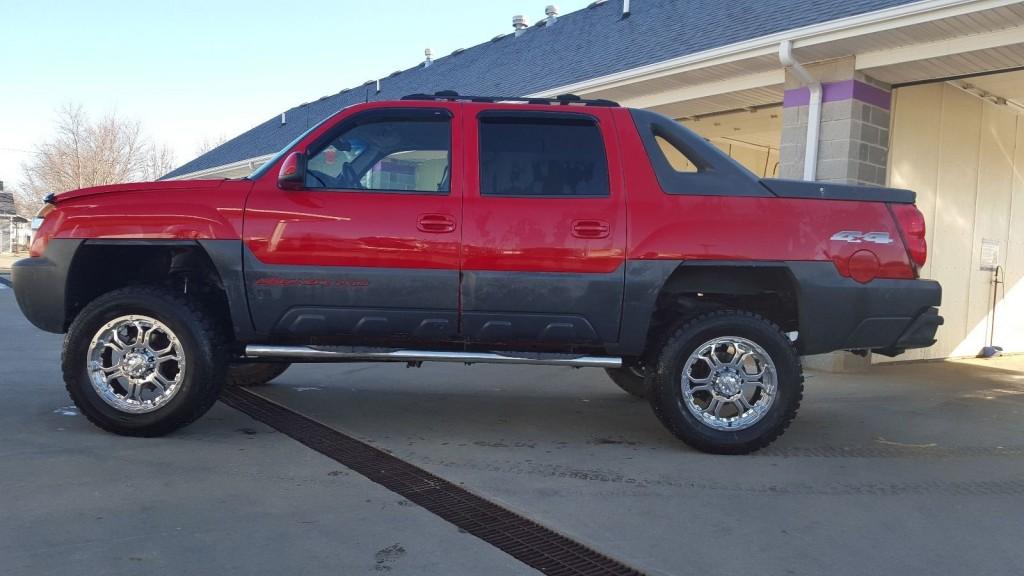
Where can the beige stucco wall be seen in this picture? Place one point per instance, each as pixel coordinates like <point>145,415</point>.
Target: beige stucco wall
<point>965,159</point>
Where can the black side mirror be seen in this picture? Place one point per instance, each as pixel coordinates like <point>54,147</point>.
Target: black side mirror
<point>293,172</point>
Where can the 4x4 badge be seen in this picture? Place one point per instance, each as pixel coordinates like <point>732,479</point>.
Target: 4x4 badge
<point>856,237</point>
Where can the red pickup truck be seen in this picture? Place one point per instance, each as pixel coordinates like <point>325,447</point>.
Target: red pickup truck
<point>461,229</point>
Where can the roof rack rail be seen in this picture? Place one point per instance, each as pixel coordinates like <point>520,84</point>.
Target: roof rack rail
<point>562,99</point>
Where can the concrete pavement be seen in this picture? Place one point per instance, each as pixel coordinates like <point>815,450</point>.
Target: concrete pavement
<point>906,469</point>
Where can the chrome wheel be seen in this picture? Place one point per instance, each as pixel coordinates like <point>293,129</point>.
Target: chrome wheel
<point>729,383</point>
<point>136,364</point>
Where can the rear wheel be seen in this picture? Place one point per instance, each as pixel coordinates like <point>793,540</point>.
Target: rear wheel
<point>631,379</point>
<point>728,382</point>
<point>143,361</point>
<point>254,374</point>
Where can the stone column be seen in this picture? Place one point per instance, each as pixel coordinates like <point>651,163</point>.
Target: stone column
<point>853,147</point>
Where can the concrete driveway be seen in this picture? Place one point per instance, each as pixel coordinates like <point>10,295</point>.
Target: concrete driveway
<point>908,469</point>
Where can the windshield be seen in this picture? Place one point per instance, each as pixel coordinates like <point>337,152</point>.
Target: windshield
<point>263,169</point>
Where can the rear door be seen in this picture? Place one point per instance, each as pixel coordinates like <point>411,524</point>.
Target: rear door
<point>544,226</point>
<point>369,248</point>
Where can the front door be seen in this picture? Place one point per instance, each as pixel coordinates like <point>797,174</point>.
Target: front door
<point>544,227</point>
<point>370,246</point>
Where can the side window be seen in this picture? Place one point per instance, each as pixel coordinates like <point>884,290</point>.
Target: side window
<point>542,154</point>
<point>387,151</point>
<point>676,158</point>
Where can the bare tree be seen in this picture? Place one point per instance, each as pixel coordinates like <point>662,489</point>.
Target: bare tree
<point>210,143</point>
<point>86,153</point>
<point>159,161</point>
<point>23,205</point>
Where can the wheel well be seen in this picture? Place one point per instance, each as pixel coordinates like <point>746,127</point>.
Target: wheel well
<point>692,290</point>
<point>101,268</point>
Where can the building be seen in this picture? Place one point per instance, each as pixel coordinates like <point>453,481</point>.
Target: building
<point>926,95</point>
<point>14,229</point>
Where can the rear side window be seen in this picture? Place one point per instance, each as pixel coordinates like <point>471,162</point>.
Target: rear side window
<point>546,155</point>
<point>675,157</point>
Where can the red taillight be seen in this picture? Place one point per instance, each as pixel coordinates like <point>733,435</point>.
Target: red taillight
<point>911,223</point>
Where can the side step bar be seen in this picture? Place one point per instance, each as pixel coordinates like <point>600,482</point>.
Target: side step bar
<point>353,354</point>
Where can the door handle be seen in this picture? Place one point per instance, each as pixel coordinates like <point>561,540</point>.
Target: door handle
<point>590,229</point>
<point>436,223</point>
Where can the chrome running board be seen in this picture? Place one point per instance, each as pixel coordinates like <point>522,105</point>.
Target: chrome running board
<point>355,354</point>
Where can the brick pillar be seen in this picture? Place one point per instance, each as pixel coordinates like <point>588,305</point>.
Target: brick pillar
<point>853,147</point>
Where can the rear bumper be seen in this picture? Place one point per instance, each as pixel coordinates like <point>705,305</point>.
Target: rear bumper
<point>919,334</point>
<point>886,316</point>
<point>39,285</point>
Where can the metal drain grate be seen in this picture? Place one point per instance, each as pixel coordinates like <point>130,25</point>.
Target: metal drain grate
<point>522,538</point>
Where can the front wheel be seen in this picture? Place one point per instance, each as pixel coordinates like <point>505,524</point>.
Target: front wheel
<point>143,361</point>
<point>728,382</point>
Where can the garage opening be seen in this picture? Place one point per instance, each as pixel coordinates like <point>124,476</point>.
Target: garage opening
<point>960,145</point>
<point>751,137</point>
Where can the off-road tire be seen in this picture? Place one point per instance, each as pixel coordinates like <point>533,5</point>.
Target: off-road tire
<point>254,374</point>
<point>635,384</point>
<point>201,340</point>
<point>666,396</point>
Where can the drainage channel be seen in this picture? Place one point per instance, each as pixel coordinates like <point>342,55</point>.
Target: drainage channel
<point>525,540</point>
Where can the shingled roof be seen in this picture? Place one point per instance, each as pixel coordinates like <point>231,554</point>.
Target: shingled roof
<point>589,43</point>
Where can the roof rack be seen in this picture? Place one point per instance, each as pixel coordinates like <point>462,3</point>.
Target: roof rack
<point>563,99</point>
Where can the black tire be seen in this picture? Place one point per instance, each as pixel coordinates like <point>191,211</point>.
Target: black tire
<point>630,379</point>
<point>201,343</point>
<point>666,395</point>
<point>254,374</point>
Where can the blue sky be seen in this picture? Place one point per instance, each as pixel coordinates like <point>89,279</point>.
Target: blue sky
<point>194,70</point>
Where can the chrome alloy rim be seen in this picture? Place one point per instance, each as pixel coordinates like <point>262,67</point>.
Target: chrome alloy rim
<point>136,364</point>
<point>729,383</point>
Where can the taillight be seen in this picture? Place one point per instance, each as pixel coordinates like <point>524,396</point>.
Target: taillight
<point>911,223</point>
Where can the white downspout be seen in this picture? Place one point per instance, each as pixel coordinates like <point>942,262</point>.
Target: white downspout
<point>813,109</point>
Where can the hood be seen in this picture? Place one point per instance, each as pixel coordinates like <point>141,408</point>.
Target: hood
<point>133,187</point>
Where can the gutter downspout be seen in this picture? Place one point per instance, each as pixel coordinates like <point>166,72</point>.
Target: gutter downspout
<point>813,110</point>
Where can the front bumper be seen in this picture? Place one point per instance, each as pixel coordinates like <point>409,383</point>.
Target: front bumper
<point>886,316</point>
<point>40,284</point>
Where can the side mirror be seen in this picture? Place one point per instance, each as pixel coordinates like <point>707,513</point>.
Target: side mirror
<point>293,172</point>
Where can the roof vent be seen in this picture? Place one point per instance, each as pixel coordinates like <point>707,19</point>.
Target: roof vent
<point>625,8</point>
<point>429,57</point>
<point>284,118</point>
<point>551,11</point>
<point>520,24</point>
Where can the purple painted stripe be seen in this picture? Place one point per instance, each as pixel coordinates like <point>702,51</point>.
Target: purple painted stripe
<point>838,91</point>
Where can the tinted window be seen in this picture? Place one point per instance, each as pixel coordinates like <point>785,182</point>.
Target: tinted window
<point>392,152</point>
<point>542,155</point>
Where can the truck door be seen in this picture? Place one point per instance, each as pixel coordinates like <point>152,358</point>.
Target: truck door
<point>544,226</point>
<point>369,247</point>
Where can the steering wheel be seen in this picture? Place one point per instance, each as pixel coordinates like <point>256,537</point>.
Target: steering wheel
<point>319,176</point>
<point>349,177</point>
